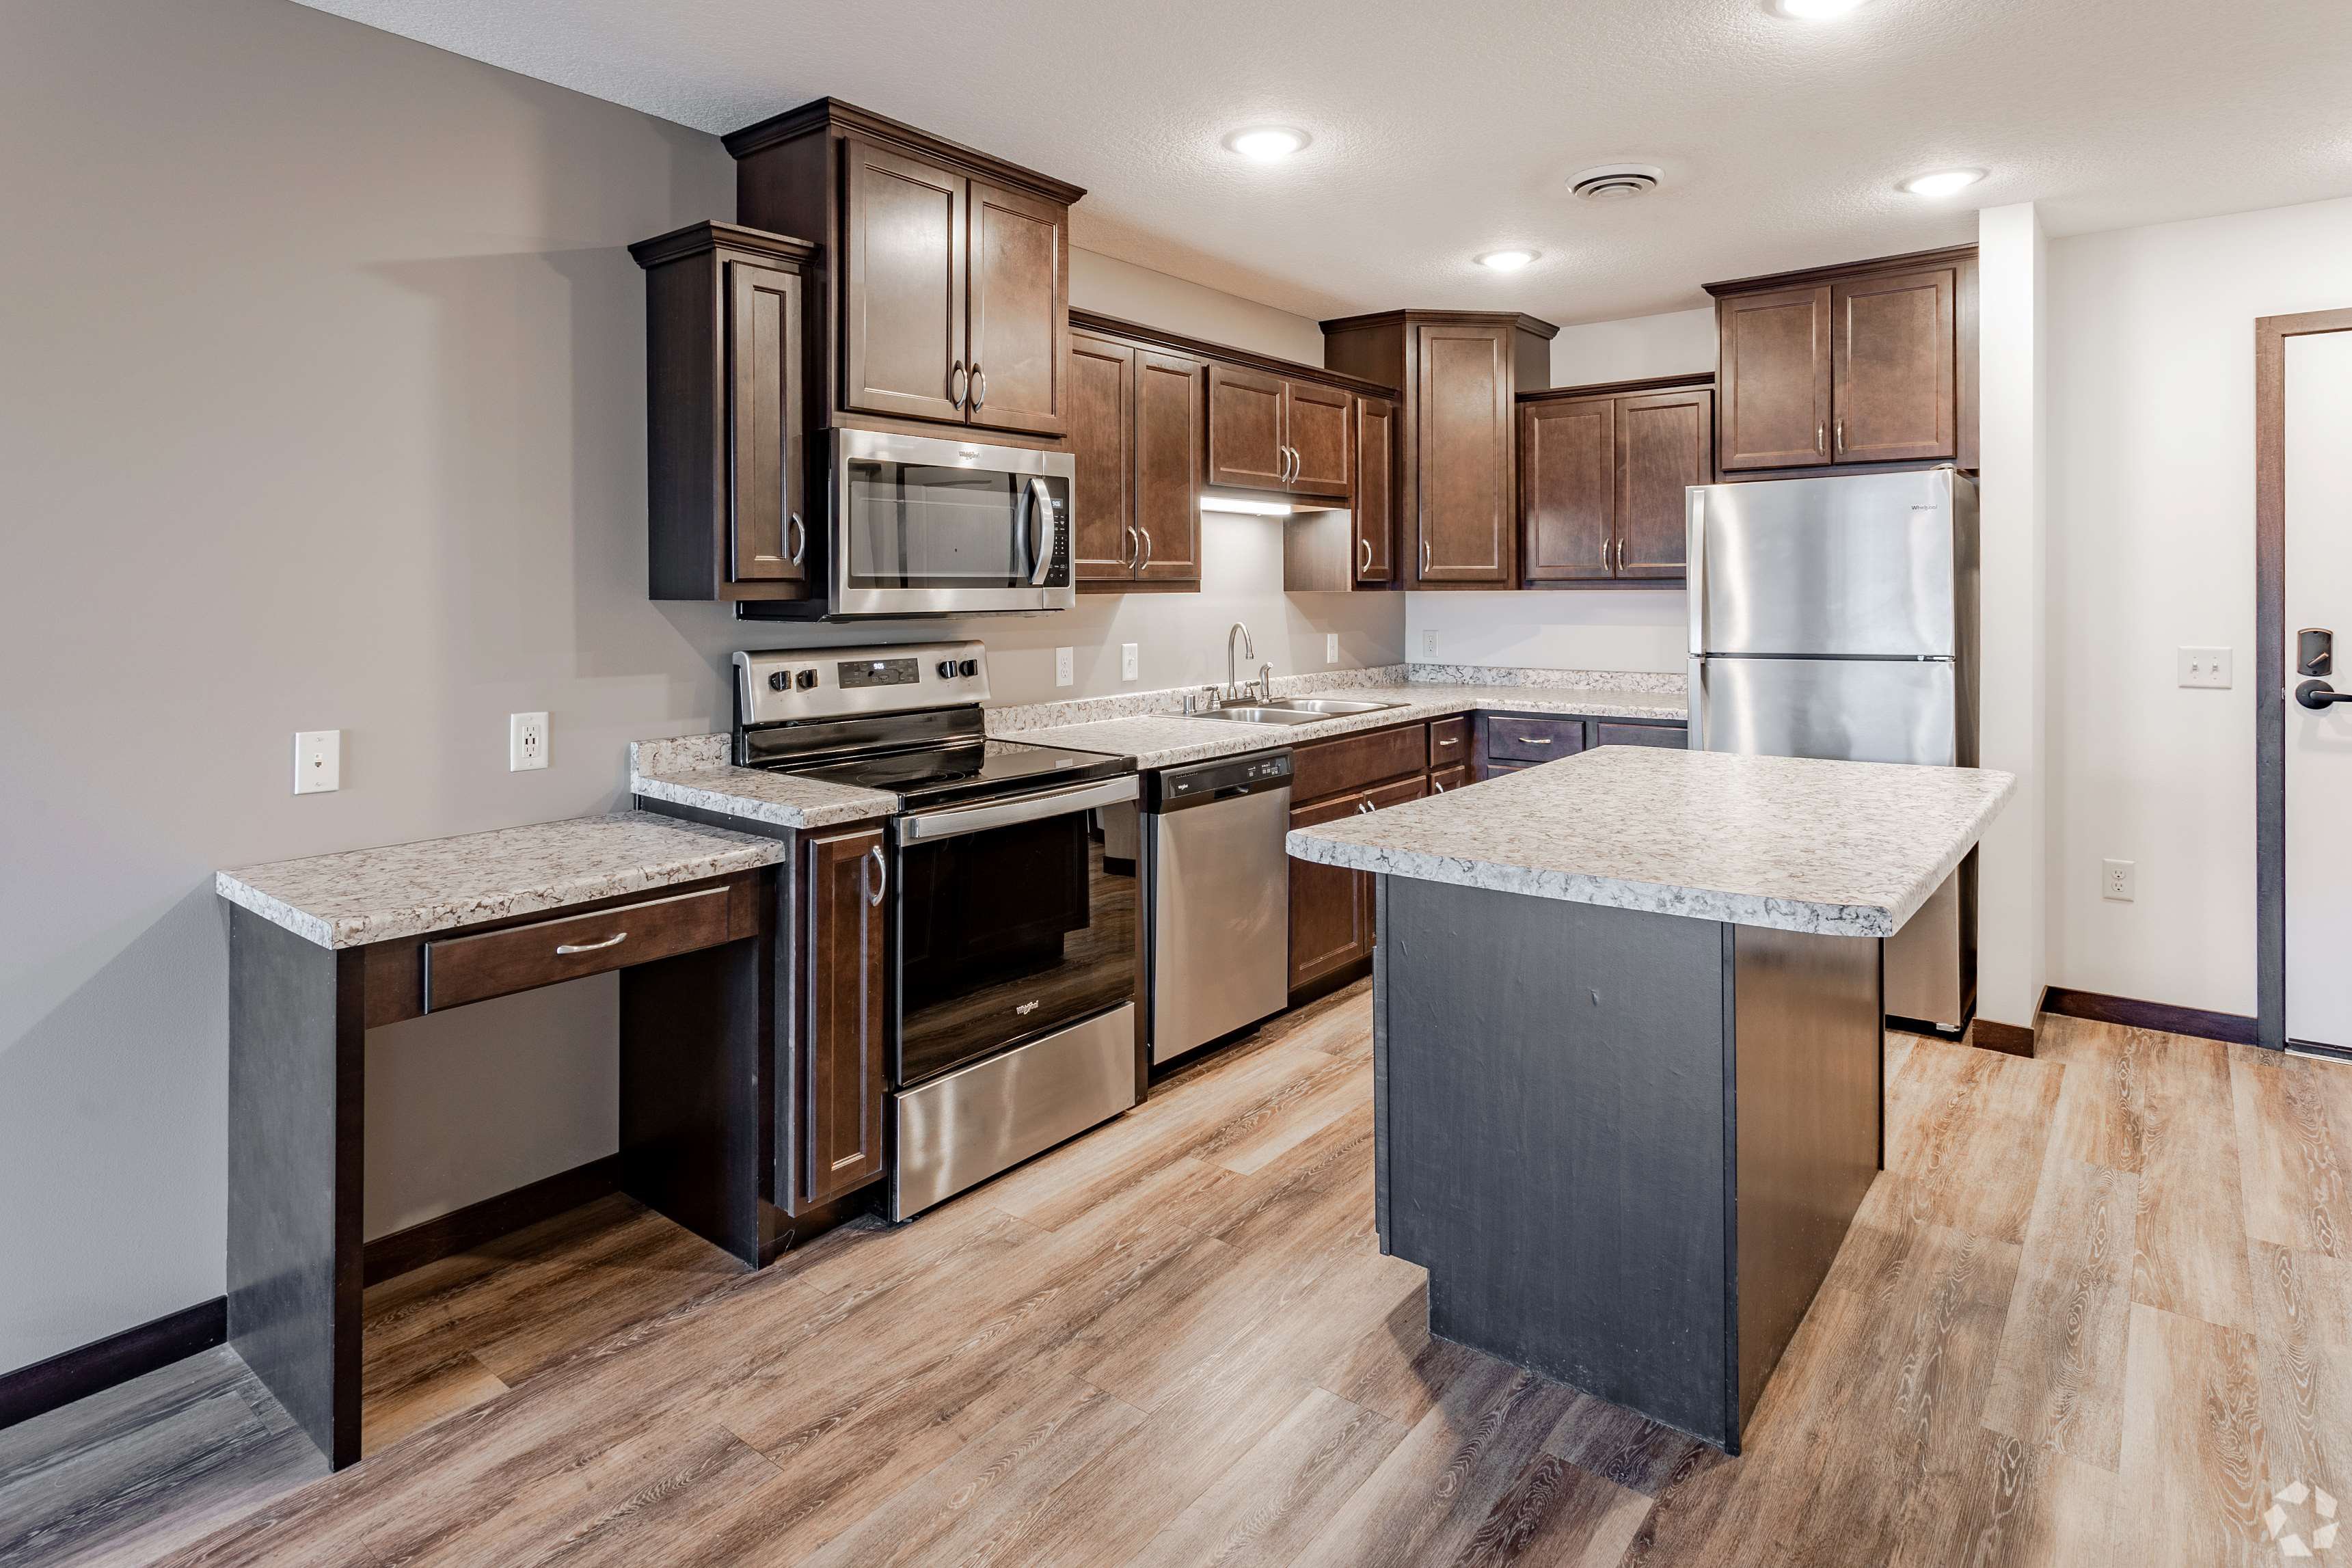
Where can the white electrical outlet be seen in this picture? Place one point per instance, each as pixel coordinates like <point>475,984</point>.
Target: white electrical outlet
<point>1065,667</point>
<point>2205,667</point>
<point>2119,881</point>
<point>1429,644</point>
<point>1130,662</point>
<point>1330,647</point>
<point>525,741</point>
<point>318,761</point>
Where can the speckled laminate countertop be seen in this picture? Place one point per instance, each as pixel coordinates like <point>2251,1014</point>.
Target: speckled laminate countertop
<point>1834,848</point>
<point>696,772</point>
<point>402,889</point>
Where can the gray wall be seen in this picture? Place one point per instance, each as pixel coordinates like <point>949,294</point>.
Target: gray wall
<point>323,408</point>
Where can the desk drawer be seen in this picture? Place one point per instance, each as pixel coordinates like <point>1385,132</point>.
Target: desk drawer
<point>1515,739</point>
<point>1449,742</point>
<point>1351,761</point>
<point>464,969</point>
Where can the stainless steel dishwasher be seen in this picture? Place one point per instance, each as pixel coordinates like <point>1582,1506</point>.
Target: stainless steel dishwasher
<point>1216,897</point>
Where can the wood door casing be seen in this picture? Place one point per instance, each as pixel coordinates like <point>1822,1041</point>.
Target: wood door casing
<point>1374,501</point>
<point>903,300</point>
<point>1665,443</point>
<point>767,537</point>
<point>1102,420</point>
<point>1465,433</point>
<point>1018,257</point>
<point>843,1069</point>
<point>1567,465</point>
<point>1170,414</point>
<point>1314,427</point>
<point>1245,409</point>
<point>1896,396</point>
<point>1774,377</point>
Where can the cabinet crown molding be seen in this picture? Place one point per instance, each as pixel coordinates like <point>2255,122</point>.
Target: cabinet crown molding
<point>1201,348</point>
<point>1518,319</point>
<point>696,238</point>
<point>1802,276</point>
<point>832,114</point>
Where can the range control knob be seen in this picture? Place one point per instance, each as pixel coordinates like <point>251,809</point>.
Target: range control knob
<point>805,680</point>
<point>969,667</point>
<point>946,669</point>
<point>781,681</point>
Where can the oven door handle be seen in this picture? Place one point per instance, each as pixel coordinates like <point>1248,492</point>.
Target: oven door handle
<point>1041,511</point>
<point>924,826</point>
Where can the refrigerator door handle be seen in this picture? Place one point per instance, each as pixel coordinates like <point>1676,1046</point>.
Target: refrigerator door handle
<point>1695,567</point>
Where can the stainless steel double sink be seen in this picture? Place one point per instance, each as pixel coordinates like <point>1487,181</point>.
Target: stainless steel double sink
<point>1294,711</point>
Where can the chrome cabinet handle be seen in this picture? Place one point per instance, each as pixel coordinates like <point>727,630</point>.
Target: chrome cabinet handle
<point>958,383</point>
<point>1144,560</point>
<point>1366,570</point>
<point>1362,806</point>
<point>1841,437</point>
<point>1620,557</point>
<point>1424,557</point>
<point>1134,555</point>
<point>881,875</point>
<point>979,386</point>
<point>1041,504</point>
<point>800,548</point>
<point>1817,437</point>
<point>1436,788</point>
<point>566,950</point>
<point>1455,741</point>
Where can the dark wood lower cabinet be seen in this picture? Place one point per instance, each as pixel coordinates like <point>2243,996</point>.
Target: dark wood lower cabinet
<point>841,1071</point>
<point>1330,908</point>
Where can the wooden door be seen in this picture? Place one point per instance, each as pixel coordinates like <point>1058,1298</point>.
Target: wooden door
<point>1020,274</point>
<point>1330,907</point>
<point>1665,443</point>
<point>1465,518</point>
<point>1315,424</point>
<point>1171,400</point>
<point>1375,500</point>
<point>767,529</point>
<point>1774,377</point>
<point>1102,393</point>
<point>1897,399</point>
<point>1568,489</point>
<point>903,286</point>
<point>1245,408</point>
<point>843,1069</point>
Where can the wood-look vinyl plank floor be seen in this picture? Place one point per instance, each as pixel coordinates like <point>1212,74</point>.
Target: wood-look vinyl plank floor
<point>2097,1311</point>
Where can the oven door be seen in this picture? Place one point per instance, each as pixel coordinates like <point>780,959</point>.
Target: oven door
<point>1010,925</point>
<point>923,526</point>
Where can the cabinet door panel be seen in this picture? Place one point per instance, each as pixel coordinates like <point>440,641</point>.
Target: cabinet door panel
<point>1245,428</point>
<point>903,334</point>
<point>1897,399</point>
<point>1315,424</point>
<point>1773,379</point>
<point>767,534</point>
<point>1464,430</point>
<point>1375,495</point>
<point>1102,442</point>
<point>1170,404</point>
<point>1568,464</point>
<point>1019,273</point>
<point>842,1042</point>
<point>1330,907</point>
<point>1665,443</point>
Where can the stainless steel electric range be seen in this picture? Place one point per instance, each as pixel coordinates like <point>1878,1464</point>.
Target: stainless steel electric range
<point>1014,946</point>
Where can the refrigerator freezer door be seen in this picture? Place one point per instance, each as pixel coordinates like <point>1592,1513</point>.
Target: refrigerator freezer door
<point>1869,711</point>
<point>1863,566</point>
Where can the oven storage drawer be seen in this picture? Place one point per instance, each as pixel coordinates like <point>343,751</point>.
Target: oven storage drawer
<point>475,968</point>
<point>969,1124</point>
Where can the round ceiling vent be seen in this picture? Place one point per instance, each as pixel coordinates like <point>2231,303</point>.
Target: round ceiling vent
<point>1616,181</point>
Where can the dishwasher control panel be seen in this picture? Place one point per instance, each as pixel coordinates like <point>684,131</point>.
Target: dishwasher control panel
<point>1171,789</point>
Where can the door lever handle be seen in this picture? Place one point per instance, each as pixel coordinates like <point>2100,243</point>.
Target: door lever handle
<point>2319,695</point>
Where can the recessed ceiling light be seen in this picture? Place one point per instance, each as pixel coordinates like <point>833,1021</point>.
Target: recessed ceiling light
<point>1943,182</point>
<point>1814,10</point>
<point>1266,143</point>
<point>1507,260</point>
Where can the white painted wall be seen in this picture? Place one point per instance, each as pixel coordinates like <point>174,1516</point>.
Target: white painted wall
<point>2151,548</point>
<point>1675,343</point>
<point>1121,289</point>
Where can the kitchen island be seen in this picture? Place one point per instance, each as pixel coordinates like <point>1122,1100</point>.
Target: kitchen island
<point>1628,1040</point>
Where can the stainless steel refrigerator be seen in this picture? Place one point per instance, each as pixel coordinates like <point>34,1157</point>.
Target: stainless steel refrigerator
<point>1837,617</point>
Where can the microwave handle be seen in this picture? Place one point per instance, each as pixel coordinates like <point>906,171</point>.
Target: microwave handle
<point>1041,507</point>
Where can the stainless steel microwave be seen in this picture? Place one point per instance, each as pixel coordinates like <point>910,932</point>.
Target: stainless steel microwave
<point>922,526</point>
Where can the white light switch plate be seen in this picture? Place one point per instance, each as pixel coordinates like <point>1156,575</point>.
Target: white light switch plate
<point>525,741</point>
<point>2119,880</point>
<point>2205,667</point>
<point>318,761</point>
<point>1065,671</point>
<point>1129,661</point>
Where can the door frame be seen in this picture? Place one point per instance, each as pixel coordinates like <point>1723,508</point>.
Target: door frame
<point>2270,333</point>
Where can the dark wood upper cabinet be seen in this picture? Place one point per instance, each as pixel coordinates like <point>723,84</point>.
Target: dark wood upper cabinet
<point>1457,432</point>
<point>1665,444</point>
<point>841,1065</point>
<point>1171,430</point>
<point>1315,428</point>
<point>1374,505</point>
<point>1847,367</point>
<point>949,304</point>
<point>1245,446</point>
<point>727,456</point>
<point>1897,397</point>
<point>1101,392</point>
<point>1567,458</point>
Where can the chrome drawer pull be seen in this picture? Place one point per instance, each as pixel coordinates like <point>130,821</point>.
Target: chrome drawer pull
<point>881,875</point>
<point>1536,740</point>
<point>566,950</point>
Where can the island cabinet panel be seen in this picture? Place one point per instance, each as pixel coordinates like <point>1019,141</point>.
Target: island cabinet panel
<point>1897,397</point>
<point>1774,369</point>
<point>903,323</point>
<point>842,1069</point>
<point>1170,431</point>
<point>1102,445</point>
<point>1374,508</point>
<point>1245,445</point>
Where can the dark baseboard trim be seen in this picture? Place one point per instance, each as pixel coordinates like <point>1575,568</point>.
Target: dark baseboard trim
<point>76,1374</point>
<point>461,1230</point>
<point>2007,1038</point>
<point>2235,1028</point>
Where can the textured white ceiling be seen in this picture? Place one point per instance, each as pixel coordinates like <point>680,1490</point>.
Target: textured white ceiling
<point>1444,131</point>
